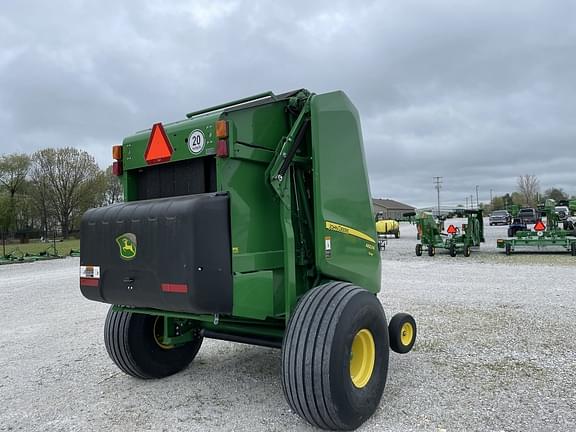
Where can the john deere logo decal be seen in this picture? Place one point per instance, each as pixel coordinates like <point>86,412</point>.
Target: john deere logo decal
<point>127,244</point>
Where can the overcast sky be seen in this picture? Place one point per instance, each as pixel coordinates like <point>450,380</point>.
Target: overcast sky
<point>477,92</point>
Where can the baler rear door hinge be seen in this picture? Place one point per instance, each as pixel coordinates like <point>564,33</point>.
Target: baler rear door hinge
<point>285,154</point>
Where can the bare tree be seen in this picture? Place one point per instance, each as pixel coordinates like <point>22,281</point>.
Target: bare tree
<point>69,177</point>
<point>113,192</point>
<point>13,171</point>
<point>529,187</point>
<point>39,193</point>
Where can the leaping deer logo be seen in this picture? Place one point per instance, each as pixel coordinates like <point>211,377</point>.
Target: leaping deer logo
<point>127,244</point>
<point>128,247</point>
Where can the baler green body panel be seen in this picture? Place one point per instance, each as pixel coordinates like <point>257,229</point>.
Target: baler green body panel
<point>134,147</point>
<point>342,203</point>
<point>330,171</point>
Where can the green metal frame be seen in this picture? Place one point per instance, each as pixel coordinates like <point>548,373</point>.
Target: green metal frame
<point>287,155</point>
<point>190,322</point>
<point>281,178</point>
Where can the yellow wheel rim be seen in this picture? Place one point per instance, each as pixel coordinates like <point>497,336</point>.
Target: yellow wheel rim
<point>406,334</point>
<point>158,333</point>
<point>362,358</point>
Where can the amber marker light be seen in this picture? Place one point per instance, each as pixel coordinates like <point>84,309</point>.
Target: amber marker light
<point>221,129</point>
<point>117,152</point>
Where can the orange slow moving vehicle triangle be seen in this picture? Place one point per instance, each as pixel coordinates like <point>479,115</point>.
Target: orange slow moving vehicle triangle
<point>159,148</point>
<point>539,226</point>
<point>451,229</point>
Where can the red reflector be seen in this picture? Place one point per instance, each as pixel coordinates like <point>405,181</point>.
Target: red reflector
<point>88,282</point>
<point>451,229</point>
<point>159,148</point>
<point>175,288</point>
<point>117,168</point>
<point>222,148</point>
<point>539,226</point>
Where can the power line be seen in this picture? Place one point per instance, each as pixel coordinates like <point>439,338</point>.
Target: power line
<point>477,202</point>
<point>438,186</point>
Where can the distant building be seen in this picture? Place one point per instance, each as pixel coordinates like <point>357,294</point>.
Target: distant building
<point>391,209</point>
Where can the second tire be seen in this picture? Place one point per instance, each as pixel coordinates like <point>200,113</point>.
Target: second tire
<point>335,356</point>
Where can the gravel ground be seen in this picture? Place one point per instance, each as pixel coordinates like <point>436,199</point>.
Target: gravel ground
<point>495,352</point>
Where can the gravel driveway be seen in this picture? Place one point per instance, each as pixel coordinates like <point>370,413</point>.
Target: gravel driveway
<point>496,351</point>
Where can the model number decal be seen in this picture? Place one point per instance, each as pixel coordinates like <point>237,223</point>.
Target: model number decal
<point>332,226</point>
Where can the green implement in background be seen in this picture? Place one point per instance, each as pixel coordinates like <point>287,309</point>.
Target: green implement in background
<point>542,236</point>
<point>455,239</point>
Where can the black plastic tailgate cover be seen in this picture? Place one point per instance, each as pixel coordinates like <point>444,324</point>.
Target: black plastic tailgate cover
<point>170,253</point>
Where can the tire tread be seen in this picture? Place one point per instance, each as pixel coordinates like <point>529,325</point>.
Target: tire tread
<point>115,339</point>
<point>307,389</point>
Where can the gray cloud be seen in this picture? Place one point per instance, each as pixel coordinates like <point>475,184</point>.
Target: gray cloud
<point>478,92</point>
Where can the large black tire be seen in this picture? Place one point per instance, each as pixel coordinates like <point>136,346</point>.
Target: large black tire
<point>397,234</point>
<point>431,251</point>
<point>467,251</point>
<point>452,250</point>
<point>573,249</point>
<point>132,344</point>
<point>402,332</point>
<point>320,380</point>
<point>418,249</point>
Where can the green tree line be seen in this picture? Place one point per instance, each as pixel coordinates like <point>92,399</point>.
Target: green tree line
<point>50,190</point>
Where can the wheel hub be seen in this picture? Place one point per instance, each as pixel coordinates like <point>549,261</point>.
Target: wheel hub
<point>406,334</point>
<point>158,332</point>
<point>362,358</point>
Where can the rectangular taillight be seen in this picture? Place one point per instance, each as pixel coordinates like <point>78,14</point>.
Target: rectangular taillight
<point>222,148</point>
<point>117,168</point>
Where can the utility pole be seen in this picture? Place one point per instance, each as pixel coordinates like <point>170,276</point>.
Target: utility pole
<point>477,203</point>
<point>438,186</point>
<point>471,201</point>
<point>491,195</point>
<point>466,202</point>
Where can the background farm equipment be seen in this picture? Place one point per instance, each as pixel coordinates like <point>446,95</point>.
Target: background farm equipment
<point>12,255</point>
<point>385,227</point>
<point>455,239</point>
<point>543,235</point>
